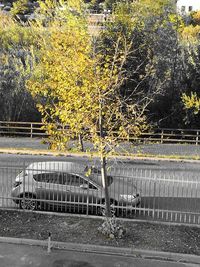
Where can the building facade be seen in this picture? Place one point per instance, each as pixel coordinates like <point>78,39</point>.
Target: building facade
<point>186,6</point>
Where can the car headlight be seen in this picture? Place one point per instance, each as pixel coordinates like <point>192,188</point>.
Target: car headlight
<point>128,198</point>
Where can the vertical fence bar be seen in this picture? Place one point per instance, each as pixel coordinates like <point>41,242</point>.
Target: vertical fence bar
<point>87,207</point>
<point>24,173</point>
<point>159,196</point>
<point>154,196</point>
<point>6,191</point>
<point>196,196</point>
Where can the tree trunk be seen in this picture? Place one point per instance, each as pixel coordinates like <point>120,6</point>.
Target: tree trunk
<point>80,143</point>
<point>103,163</point>
<point>105,186</point>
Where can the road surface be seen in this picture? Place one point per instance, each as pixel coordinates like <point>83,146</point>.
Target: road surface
<point>162,184</point>
<point>33,256</point>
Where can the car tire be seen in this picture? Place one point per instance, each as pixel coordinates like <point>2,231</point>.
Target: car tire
<point>28,202</point>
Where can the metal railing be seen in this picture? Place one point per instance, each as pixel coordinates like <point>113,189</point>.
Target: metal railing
<point>65,187</point>
<point>162,136</point>
<point>26,129</point>
<point>169,135</point>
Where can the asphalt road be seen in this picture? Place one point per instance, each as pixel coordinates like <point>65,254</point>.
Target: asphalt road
<point>33,256</point>
<point>162,184</point>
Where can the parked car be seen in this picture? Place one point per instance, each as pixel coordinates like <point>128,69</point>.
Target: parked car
<point>70,185</point>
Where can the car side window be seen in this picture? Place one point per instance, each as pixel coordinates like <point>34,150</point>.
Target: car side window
<point>77,180</point>
<point>52,177</point>
<point>40,177</point>
<point>62,178</point>
<point>91,186</point>
<point>65,178</point>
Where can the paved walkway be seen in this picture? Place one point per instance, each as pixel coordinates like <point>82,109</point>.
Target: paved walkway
<point>183,150</point>
<point>22,143</point>
<point>18,255</point>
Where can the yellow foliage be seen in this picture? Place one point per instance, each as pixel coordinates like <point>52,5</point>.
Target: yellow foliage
<point>191,102</point>
<point>196,17</point>
<point>152,7</point>
<point>13,34</point>
<point>76,86</point>
<point>5,20</point>
<point>75,4</point>
<point>191,33</point>
<point>20,7</point>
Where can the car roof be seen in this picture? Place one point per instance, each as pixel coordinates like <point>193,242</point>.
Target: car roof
<point>56,166</point>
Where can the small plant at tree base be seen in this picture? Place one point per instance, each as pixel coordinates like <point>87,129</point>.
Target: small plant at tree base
<point>112,228</point>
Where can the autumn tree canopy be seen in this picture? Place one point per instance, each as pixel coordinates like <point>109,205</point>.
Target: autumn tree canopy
<point>164,54</point>
<point>77,78</point>
<point>77,83</point>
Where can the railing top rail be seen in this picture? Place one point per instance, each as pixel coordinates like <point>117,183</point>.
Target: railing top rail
<point>159,128</point>
<point>174,129</point>
<point>22,122</point>
<point>153,131</point>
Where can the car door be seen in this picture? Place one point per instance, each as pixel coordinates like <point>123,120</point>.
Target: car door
<point>64,181</point>
<point>47,187</point>
<point>77,192</point>
<point>81,192</point>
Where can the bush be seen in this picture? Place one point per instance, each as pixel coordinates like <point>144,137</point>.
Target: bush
<point>112,228</point>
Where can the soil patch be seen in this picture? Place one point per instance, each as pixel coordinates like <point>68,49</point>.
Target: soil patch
<point>139,235</point>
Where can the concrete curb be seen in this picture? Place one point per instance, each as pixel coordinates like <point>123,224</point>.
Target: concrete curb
<point>129,252</point>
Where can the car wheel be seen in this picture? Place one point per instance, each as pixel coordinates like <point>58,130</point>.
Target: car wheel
<point>28,202</point>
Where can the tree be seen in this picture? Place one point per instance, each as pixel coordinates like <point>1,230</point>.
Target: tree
<point>191,96</point>
<point>157,52</point>
<point>16,102</point>
<point>191,55</point>
<point>77,83</point>
<point>20,7</point>
<point>195,18</point>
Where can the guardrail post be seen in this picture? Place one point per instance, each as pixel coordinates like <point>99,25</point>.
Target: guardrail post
<point>31,130</point>
<point>197,138</point>
<point>162,136</point>
<point>49,243</point>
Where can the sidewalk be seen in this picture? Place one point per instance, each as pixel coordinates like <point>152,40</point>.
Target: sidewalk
<point>36,146</point>
<point>25,252</point>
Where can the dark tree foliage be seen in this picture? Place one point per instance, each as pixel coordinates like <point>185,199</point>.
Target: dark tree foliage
<point>16,103</point>
<point>155,65</point>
